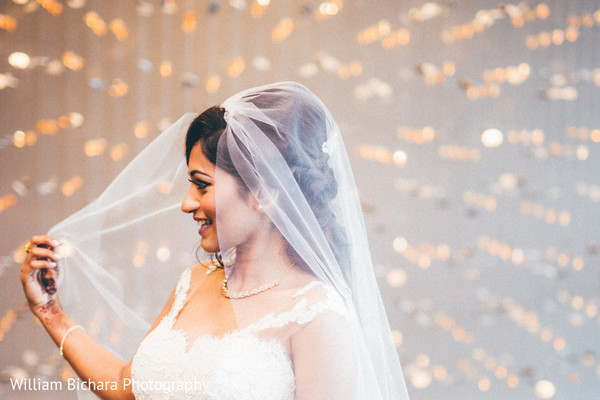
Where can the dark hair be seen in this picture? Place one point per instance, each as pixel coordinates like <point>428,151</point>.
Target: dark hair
<point>304,156</point>
<point>206,129</point>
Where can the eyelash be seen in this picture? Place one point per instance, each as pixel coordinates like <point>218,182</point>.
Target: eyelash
<point>199,184</point>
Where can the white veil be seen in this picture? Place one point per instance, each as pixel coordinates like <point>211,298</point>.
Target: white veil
<point>124,252</point>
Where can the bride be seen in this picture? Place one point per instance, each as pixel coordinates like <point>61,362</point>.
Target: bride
<point>286,308</point>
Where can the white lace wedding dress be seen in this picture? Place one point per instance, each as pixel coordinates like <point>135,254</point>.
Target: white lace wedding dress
<point>244,364</point>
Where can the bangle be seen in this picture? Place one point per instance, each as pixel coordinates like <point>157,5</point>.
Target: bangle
<point>71,329</point>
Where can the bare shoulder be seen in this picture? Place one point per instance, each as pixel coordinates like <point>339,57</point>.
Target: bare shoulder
<point>317,300</point>
<point>323,314</point>
<point>315,289</point>
<point>205,271</point>
<point>203,267</point>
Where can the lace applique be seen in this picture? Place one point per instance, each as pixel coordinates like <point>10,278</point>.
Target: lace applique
<point>181,291</point>
<point>237,366</point>
<point>304,311</point>
<point>240,365</point>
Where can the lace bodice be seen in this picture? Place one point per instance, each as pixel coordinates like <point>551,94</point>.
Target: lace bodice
<point>243,364</point>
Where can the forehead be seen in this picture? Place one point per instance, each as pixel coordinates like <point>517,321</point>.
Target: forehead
<point>199,162</point>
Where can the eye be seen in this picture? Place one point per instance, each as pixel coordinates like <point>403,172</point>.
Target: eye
<point>201,185</point>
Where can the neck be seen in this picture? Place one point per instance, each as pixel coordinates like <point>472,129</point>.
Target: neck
<point>260,261</point>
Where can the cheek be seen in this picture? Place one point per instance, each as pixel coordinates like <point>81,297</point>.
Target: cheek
<point>208,205</point>
<point>237,219</point>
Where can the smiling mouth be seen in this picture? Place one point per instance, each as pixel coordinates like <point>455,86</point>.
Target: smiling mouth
<point>204,223</point>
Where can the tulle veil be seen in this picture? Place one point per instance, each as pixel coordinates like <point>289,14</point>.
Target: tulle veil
<point>123,253</point>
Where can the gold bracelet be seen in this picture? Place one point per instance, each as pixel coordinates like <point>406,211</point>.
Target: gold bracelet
<point>71,329</point>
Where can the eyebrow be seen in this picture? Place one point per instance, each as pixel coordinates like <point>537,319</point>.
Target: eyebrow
<point>194,172</point>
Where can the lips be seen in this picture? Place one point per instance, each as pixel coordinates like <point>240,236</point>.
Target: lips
<point>204,223</point>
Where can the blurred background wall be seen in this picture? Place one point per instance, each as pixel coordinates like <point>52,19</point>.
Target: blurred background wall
<point>474,132</point>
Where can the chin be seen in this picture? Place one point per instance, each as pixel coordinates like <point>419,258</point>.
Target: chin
<point>209,247</point>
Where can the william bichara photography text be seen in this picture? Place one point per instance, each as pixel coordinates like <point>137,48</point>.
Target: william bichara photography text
<point>38,384</point>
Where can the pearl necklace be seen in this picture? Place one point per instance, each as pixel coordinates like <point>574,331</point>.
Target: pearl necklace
<point>251,292</point>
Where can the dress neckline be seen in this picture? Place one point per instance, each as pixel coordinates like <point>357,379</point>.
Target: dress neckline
<point>181,293</point>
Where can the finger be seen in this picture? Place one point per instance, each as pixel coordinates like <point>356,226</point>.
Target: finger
<point>40,252</point>
<point>49,241</point>
<point>28,269</point>
<point>37,264</point>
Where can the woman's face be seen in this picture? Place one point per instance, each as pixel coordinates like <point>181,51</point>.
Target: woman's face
<point>239,211</point>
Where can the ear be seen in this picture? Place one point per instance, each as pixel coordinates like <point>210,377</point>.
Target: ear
<point>266,199</point>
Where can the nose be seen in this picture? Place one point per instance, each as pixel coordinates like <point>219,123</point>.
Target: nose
<point>190,201</point>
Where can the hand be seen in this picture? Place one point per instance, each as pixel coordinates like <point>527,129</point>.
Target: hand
<point>39,273</point>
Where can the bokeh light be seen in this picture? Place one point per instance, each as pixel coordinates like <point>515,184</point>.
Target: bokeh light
<point>19,60</point>
<point>470,129</point>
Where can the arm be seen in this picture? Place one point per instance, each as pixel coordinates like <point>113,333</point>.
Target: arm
<point>324,363</point>
<point>90,360</point>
